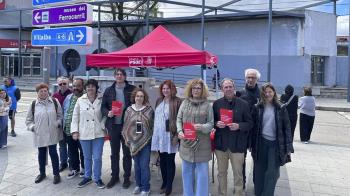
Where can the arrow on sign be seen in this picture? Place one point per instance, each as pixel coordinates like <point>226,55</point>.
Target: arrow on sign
<point>80,36</point>
<point>37,17</point>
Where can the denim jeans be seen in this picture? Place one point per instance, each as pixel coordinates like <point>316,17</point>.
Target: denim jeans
<point>92,150</point>
<point>63,150</point>
<point>3,130</point>
<point>142,171</point>
<point>53,156</point>
<point>195,175</point>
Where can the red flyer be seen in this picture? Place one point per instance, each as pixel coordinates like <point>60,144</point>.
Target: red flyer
<point>117,108</point>
<point>189,131</point>
<point>226,116</point>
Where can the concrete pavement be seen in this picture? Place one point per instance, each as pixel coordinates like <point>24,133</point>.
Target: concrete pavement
<point>319,168</point>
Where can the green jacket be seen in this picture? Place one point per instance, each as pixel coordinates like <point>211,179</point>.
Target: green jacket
<point>196,112</point>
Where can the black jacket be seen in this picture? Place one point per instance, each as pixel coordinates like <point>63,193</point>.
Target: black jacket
<point>283,136</point>
<point>110,95</point>
<point>235,141</point>
<point>292,107</point>
<point>250,95</point>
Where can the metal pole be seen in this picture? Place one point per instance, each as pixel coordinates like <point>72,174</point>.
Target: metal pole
<point>269,43</point>
<point>19,45</point>
<point>56,62</point>
<point>147,18</point>
<point>203,67</point>
<point>46,65</point>
<point>349,59</point>
<point>100,72</point>
<point>335,7</point>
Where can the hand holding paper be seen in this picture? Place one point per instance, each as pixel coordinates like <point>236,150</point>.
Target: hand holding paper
<point>226,116</point>
<point>117,108</point>
<point>189,131</point>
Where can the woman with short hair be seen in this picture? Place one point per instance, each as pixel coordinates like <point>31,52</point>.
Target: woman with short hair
<point>194,123</point>
<point>44,119</point>
<point>87,127</point>
<point>137,132</point>
<point>307,106</point>
<point>164,139</point>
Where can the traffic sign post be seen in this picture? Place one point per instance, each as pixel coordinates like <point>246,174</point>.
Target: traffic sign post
<point>62,36</point>
<point>39,3</point>
<point>77,14</point>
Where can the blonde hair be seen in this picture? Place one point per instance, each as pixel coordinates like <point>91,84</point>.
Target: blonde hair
<point>193,82</point>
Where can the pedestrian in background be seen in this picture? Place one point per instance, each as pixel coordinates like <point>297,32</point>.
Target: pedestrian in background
<point>194,123</point>
<point>75,155</point>
<point>44,119</point>
<point>87,127</point>
<point>5,104</point>
<point>60,95</point>
<point>307,107</point>
<point>233,123</point>
<point>137,133</point>
<point>271,141</point>
<point>291,102</point>
<point>15,94</point>
<point>117,98</point>
<point>164,139</point>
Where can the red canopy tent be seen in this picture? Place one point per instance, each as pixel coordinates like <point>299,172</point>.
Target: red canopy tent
<point>159,49</point>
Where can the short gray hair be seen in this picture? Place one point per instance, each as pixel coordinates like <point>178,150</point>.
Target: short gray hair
<point>63,78</point>
<point>227,79</point>
<point>257,73</point>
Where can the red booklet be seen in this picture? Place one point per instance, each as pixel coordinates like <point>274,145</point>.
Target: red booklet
<point>117,108</point>
<point>226,116</point>
<point>189,131</point>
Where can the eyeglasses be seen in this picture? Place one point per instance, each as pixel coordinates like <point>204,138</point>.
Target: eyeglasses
<point>61,84</point>
<point>196,88</point>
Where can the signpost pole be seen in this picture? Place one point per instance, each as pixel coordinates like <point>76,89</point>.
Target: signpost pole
<point>46,65</point>
<point>20,45</point>
<point>203,67</point>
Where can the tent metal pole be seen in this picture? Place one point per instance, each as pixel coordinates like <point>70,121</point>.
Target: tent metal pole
<point>203,68</point>
<point>269,42</point>
<point>349,59</point>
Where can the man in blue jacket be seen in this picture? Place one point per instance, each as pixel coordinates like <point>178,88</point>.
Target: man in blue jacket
<point>15,94</point>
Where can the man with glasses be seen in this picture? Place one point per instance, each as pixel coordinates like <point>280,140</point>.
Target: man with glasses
<point>60,95</point>
<point>251,94</point>
<point>117,97</point>
<point>15,94</point>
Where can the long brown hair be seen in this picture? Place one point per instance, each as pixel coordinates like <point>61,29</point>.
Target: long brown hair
<point>263,90</point>
<point>172,87</point>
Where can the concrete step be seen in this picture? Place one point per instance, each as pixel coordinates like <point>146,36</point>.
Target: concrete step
<point>336,92</point>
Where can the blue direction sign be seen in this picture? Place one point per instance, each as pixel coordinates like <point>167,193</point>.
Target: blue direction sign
<point>62,36</point>
<point>72,14</point>
<point>37,3</point>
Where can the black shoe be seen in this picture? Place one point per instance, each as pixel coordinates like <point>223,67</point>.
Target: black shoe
<point>63,167</point>
<point>112,182</point>
<point>13,133</point>
<point>126,183</point>
<point>56,179</point>
<point>84,182</point>
<point>100,184</point>
<point>40,178</point>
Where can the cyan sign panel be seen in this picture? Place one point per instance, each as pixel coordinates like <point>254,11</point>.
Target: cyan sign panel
<point>62,36</point>
<point>55,2</point>
<point>73,14</point>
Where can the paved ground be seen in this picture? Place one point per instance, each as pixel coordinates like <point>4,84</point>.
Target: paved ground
<point>319,168</point>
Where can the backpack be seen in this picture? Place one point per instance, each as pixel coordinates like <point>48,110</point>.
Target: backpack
<point>54,102</point>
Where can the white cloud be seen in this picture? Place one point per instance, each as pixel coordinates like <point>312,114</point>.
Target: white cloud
<point>343,25</point>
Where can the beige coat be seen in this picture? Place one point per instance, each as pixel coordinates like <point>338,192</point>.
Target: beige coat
<point>46,124</point>
<point>87,117</point>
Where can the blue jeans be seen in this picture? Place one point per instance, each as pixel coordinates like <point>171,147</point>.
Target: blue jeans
<point>3,130</point>
<point>195,175</point>
<point>92,150</point>
<point>141,166</point>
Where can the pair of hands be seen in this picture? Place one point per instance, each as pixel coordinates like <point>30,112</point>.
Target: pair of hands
<point>196,127</point>
<point>232,126</point>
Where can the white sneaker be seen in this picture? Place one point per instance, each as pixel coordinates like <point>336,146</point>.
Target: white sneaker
<point>72,174</point>
<point>137,190</point>
<point>306,142</point>
<point>82,173</point>
<point>144,193</point>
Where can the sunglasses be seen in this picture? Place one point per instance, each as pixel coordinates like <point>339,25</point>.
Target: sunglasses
<point>61,84</point>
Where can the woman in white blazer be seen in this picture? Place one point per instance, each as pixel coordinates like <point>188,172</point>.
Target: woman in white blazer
<point>87,127</point>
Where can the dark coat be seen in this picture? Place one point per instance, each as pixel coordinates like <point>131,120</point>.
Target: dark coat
<point>292,107</point>
<point>250,95</point>
<point>110,95</point>
<point>283,136</point>
<point>235,141</point>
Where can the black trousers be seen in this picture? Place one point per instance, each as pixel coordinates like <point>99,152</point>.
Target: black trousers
<point>293,124</point>
<point>167,168</point>
<point>75,155</point>
<point>306,125</point>
<point>53,156</point>
<point>115,139</point>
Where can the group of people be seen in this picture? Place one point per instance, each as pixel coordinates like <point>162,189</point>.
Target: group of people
<point>80,119</point>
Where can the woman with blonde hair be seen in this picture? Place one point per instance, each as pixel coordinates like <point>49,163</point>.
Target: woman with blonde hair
<point>164,139</point>
<point>194,123</point>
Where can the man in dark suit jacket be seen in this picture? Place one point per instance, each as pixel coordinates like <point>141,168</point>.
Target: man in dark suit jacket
<point>120,91</point>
